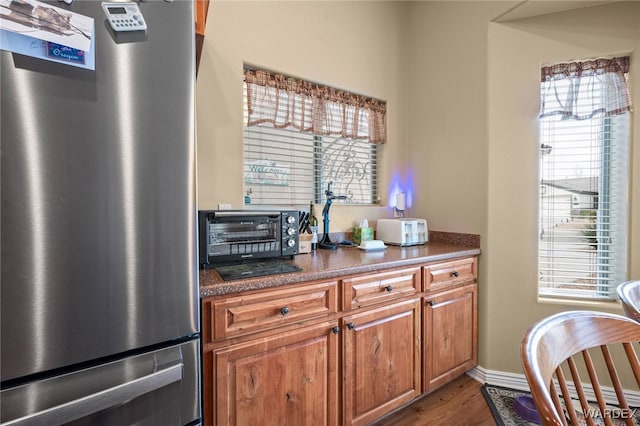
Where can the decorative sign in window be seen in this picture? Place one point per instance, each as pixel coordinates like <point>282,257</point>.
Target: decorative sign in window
<point>267,172</point>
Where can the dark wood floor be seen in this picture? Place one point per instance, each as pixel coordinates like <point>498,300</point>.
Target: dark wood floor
<point>457,403</point>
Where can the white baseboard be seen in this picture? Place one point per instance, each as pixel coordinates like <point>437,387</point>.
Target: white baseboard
<point>499,378</point>
<point>519,381</point>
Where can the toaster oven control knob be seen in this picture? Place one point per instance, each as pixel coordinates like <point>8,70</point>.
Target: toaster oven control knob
<point>291,231</point>
<point>291,220</point>
<point>291,243</point>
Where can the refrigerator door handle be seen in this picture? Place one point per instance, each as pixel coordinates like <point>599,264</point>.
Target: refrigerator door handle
<point>98,401</point>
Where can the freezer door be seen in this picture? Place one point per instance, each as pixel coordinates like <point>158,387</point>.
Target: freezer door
<point>99,254</point>
<point>150,389</point>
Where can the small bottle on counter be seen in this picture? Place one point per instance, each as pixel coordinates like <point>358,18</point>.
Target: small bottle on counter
<point>313,224</point>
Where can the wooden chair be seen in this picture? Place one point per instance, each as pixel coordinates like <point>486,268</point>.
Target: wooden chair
<point>629,294</point>
<point>560,343</point>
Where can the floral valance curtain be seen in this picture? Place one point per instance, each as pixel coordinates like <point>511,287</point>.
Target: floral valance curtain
<point>580,90</point>
<point>286,102</point>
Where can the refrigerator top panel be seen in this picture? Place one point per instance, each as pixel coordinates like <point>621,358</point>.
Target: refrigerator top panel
<point>99,254</point>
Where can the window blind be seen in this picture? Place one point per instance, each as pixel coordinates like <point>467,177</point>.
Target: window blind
<point>284,165</point>
<point>582,201</point>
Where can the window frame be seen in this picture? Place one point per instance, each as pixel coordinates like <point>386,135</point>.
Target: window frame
<point>602,291</point>
<point>319,158</point>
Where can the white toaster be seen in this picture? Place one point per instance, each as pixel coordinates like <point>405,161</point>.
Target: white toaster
<point>402,231</point>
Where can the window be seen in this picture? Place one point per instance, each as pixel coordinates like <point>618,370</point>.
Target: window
<point>584,134</point>
<point>299,137</point>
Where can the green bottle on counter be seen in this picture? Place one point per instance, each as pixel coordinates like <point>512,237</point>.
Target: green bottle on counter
<point>313,225</point>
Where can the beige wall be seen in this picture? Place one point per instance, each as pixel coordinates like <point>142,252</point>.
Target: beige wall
<point>516,51</point>
<point>358,46</point>
<point>448,111</point>
<point>448,124</point>
<point>463,96</point>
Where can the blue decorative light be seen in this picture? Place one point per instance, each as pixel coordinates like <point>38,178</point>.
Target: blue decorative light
<point>399,184</point>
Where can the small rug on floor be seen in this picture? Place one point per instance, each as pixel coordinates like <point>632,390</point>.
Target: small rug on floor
<point>501,400</point>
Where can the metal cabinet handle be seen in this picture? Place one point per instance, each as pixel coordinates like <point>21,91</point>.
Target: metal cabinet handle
<point>389,288</point>
<point>351,326</point>
<point>455,274</point>
<point>284,310</point>
<point>335,330</point>
<point>104,399</point>
<point>430,303</point>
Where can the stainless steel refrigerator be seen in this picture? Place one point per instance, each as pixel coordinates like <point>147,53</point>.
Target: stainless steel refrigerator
<point>99,314</point>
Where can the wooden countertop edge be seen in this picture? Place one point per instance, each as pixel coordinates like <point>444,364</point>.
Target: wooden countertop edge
<point>212,285</point>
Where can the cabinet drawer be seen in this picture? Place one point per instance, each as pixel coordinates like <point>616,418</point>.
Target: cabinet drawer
<point>448,274</point>
<point>380,287</point>
<point>239,315</point>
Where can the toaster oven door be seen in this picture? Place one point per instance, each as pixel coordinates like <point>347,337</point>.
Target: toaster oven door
<point>231,236</point>
<point>221,233</point>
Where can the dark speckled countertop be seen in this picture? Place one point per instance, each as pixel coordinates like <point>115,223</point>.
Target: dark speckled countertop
<point>327,264</point>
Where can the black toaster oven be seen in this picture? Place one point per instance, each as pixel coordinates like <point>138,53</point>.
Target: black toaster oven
<point>234,235</point>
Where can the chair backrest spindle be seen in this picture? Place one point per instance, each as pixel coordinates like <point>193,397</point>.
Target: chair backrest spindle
<point>632,356</point>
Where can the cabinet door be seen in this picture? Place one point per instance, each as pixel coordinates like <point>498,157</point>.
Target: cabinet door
<point>450,335</point>
<point>381,360</point>
<point>288,379</point>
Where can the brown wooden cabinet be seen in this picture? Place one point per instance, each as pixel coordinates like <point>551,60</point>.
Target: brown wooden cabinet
<point>244,314</point>
<point>339,352</point>
<point>450,324</point>
<point>201,9</point>
<point>444,275</point>
<point>381,361</point>
<point>288,379</point>
<point>381,287</point>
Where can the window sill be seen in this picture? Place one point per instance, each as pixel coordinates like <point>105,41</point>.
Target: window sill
<point>590,304</point>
